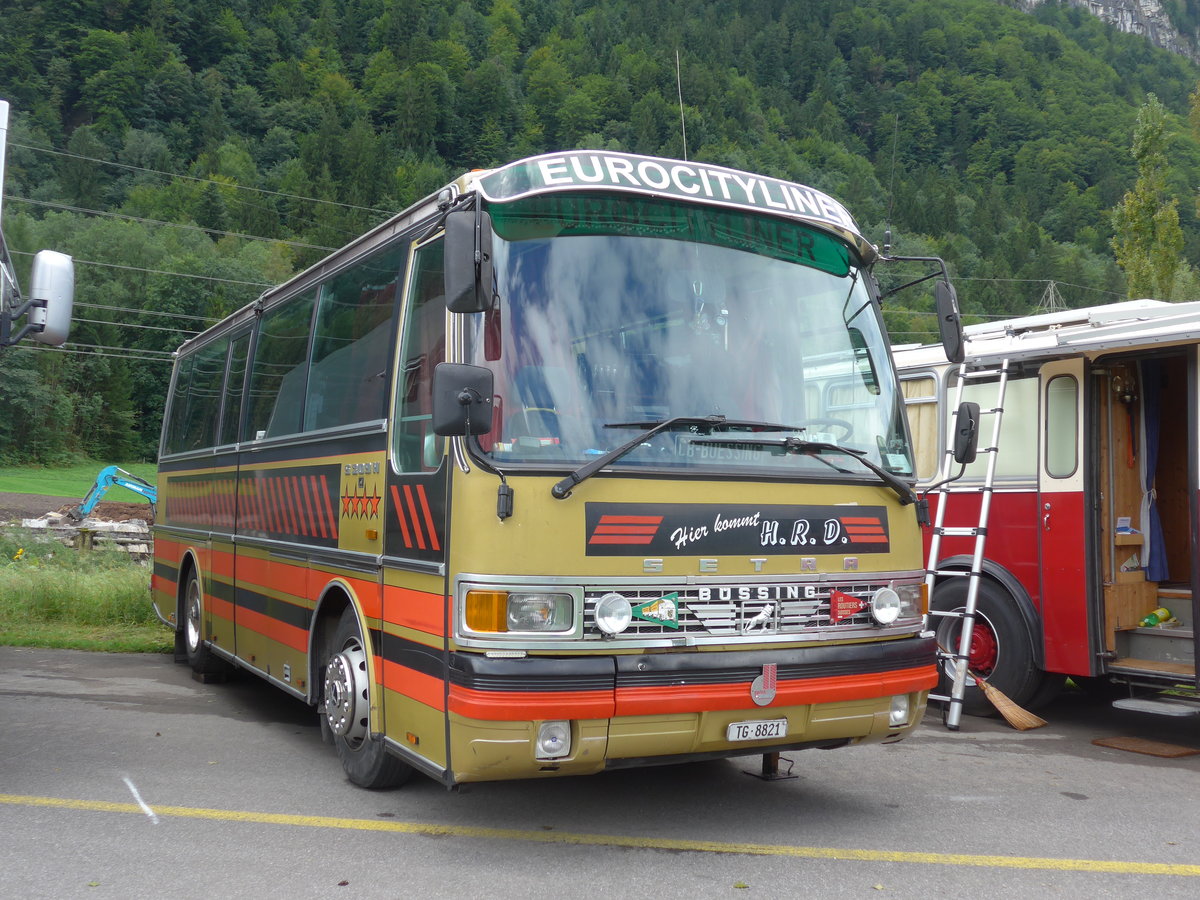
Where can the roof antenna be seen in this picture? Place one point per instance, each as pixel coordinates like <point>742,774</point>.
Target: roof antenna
<point>679,88</point>
<point>887,234</point>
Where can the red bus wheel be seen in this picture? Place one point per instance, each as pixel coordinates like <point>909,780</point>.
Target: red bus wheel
<point>1000,652</point>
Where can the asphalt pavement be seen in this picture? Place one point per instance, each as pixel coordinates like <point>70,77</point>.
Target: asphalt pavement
<point>120,776</point>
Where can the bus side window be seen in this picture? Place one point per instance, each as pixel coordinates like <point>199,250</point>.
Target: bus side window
<point>423,346</point>
<point>199,427</point>
<point>177,409</point>
<point>278,377</point>
<point>353,335</point>
<point>1062,426</point>
<point>920,400</point>
<point>231,415</point>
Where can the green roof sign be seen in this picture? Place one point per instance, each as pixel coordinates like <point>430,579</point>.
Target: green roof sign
<point>698,182</point>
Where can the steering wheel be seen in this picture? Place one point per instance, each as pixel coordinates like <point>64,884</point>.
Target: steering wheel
<point>846,426</point>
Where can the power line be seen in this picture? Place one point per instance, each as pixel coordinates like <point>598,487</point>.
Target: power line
<point>106,347</point>
<point>31,349</point>
<point>240,187</point>
<point>96,212</point>
<point>132,325</point>
<point>147,312</point>
<point>88,262</point>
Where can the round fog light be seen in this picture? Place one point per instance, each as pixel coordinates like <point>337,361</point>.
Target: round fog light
<point>613,613</point>
<point>885,606</point>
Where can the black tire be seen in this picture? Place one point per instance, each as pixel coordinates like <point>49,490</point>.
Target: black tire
<point>1001,651</point>
<point>345,711</point>
<point>1048,691</point>
<point>202,660</point>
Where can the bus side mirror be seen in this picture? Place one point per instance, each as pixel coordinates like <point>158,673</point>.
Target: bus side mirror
<point>966,433</point>
<point>52,290</point>
<point>468,261</point>
<point>949,320</point>
<point>462,399</point>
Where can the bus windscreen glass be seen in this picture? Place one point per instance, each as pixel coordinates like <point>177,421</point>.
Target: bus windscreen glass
<point>616,312</point>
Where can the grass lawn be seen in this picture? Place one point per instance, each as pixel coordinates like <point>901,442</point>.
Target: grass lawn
<point>55,596</point>
<point>70,481</point>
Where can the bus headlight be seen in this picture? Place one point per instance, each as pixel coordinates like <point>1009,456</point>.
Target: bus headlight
<point>913,600</point>
<point>885,606</point>
<point>898,714</point>
<point>613,614</point>
<point>499,612</point>
<point>540,612</point>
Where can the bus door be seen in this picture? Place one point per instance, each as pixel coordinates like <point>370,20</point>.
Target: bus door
<point>416,612</point>
<point>1063,518</point>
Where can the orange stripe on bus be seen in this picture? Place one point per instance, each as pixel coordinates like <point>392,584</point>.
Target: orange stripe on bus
<point>412,510</point>
<point>329,508</point>
<point>275,575</point>
<point>399,507</point>
<point>165,586</point>
<point>519,706</point>
<point>417,685</point>
<point>433,537</point>
<point>651,701</point>
<point>222,609</point>
<point>289,635</point>
<point>415,609</point>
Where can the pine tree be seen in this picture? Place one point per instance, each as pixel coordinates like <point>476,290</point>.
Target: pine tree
<point>1149,242</point>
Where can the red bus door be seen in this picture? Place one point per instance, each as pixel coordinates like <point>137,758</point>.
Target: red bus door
<point>1062,512</point>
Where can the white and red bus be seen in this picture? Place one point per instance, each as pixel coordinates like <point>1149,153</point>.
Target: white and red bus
<point>1092,526</point>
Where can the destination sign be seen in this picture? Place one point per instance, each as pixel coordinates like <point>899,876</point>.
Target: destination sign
<point>597,170</point>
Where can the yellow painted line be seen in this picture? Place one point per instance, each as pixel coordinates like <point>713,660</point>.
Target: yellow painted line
<point>609,840</point>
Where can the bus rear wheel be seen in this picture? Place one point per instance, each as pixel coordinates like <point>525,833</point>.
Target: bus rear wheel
<point>345,711</point>
<point>1001,652</point>
<point>202,660</point>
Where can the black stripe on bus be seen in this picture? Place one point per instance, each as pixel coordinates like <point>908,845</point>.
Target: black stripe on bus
<point>412,655</point>
<point>533,673</point>
<point>794,664</point>
<point>274,608</point>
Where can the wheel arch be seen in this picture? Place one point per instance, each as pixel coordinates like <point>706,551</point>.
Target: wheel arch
<point>336,597</point>
<point>1011,585</point>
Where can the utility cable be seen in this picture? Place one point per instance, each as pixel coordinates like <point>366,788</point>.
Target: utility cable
<point>240,187</point>
<point>88,262</point>
<point>96,212</point>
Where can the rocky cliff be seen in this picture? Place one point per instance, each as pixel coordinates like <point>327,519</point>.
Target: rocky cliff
<point>1145,17</point>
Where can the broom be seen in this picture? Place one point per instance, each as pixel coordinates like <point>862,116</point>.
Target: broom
<point>1016,716</point>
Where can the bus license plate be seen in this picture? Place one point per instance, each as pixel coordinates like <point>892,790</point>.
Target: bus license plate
<point>756,730</point>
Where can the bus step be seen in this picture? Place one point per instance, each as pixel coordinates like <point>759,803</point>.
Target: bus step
<point>1160,707</point>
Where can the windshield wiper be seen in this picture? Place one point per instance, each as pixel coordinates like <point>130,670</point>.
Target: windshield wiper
<point>713,421</point>
<point>562,490</point>
<point>793,444</point>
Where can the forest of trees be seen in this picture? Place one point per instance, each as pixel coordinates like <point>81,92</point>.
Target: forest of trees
<point>188,153</point>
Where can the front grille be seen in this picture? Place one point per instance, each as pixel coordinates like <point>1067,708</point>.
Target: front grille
<point>734,610</point>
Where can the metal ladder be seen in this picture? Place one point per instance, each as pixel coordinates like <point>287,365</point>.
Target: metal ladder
<point>946,656</point>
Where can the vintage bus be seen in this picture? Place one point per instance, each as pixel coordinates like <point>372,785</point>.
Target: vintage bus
<point>1092,526</point>
<point>589,461</point>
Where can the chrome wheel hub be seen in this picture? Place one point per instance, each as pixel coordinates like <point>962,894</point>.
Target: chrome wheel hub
<point>346,694</point>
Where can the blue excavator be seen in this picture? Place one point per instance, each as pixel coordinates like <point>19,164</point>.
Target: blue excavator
<point>110,477</point>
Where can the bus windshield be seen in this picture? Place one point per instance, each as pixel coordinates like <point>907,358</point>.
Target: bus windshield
<point>617,313</point>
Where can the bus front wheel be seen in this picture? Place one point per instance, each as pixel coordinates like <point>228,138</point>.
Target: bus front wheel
<point>1001,652</point>
<point>345,711</point>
